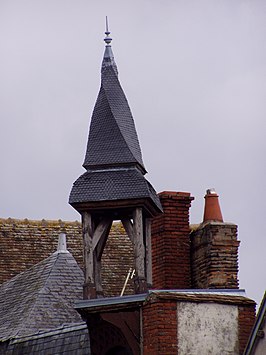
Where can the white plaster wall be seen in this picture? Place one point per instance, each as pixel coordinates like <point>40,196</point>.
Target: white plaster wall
<point>207,328</point>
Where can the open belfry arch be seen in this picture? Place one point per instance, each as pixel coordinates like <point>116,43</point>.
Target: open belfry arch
<point>113,186</point>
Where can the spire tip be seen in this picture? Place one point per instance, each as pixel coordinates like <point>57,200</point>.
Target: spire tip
<point>107,39</point>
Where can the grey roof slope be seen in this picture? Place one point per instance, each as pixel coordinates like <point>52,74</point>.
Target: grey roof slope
<point>64,340</point>
<point>112,185</point>
<point>41,298</point>
<point>112,138</point>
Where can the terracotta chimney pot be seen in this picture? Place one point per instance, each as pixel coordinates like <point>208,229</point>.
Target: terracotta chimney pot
<point>212,211</point>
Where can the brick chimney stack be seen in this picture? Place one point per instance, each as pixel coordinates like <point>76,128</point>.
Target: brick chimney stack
<point>170,242</point>
<point>214,249</point>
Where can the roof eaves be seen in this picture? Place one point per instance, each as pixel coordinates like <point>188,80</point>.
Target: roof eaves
<point>110,303</point>
<point>65,328</point>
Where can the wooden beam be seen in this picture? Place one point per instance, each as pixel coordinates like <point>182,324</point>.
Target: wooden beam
<point>87,240</point>
<point>128,225</point>
<point>139,243</point>
<point>148,251</point>
<point>102,241</point>
<point>100,230</point>
<point>97,275</point>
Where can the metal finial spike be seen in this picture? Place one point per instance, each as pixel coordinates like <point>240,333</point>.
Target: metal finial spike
<point>107,39</point>
<point>106,26</point>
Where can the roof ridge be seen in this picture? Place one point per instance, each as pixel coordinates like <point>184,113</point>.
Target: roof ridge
<point>38,221</point>
<point>111,109</point>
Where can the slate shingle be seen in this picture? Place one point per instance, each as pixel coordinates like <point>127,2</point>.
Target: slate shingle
<point>41,297</point>
<point>112,138</point>
<point>113,185</point>
<point>63,340</point>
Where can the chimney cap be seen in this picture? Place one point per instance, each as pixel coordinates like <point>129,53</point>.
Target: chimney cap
<point>62,245</point>
<point>211,191</point>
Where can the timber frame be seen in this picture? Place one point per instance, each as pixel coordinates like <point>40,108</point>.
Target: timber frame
<point>95,230</point>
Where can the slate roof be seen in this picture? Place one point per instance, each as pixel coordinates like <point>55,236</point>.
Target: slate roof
<point>65,340</point>
<point>112,185</point>
<point>112,138</point>
<point>41,298</point>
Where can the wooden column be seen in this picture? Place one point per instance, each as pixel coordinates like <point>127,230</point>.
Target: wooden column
<point>139,251</point>
<point>89,290</point>
<point>99,241</point>
<point>94,239</point>
<point>148,252</point>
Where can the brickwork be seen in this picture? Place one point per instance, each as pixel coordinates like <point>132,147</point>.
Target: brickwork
<point>214,256</point>
<point>166,332</point>
<point>24,243</point>
<point>246,320</point>
<point>160,328</point>
<point>171,243</point>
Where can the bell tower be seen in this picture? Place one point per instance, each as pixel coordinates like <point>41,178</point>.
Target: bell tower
<point>113,186</point>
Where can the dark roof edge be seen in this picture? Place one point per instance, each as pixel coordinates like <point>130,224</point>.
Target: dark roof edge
<point>65,328</point>
<point>94,305</point>
<point>259,321</point>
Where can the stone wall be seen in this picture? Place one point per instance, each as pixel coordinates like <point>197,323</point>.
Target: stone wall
<point>214,256</point>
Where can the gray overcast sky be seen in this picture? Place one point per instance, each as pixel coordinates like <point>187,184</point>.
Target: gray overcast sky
<point>194,75</point>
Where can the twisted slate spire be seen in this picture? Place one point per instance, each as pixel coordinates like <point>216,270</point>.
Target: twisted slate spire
<point>113,162</point>
<point>113,140</point>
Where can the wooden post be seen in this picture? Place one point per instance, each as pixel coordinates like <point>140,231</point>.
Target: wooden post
<point>87,231</point>
<point>128,228</point>
<point>139,249</point>
<point>99,240</point>
<point>148,252</point>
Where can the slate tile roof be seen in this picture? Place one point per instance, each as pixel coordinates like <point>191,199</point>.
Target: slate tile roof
<point>112,138</point>
<point>111,185</point>
<point>41,298</point>
<point>65,340</point>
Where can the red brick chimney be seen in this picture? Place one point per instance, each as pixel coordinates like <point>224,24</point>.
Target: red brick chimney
<point>171,243</point>
<point>214,249</point>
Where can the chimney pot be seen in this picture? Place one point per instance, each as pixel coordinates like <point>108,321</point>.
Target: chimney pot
<point>212,210</point>
<point>62,246</point>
